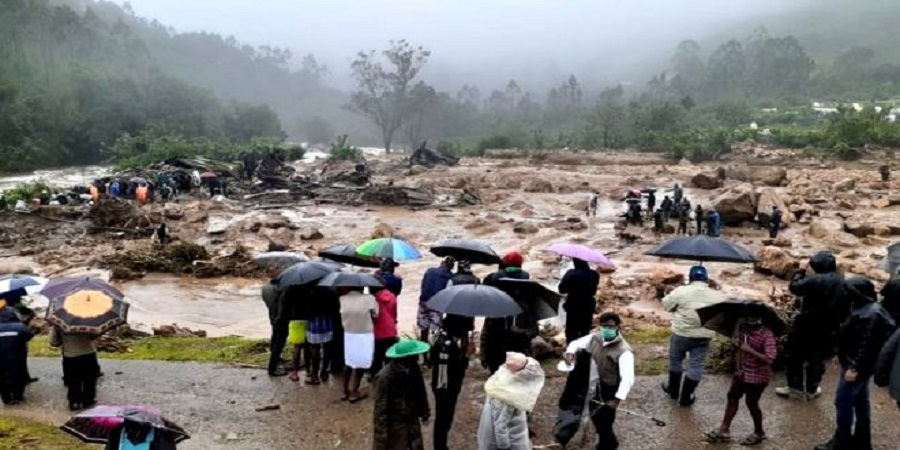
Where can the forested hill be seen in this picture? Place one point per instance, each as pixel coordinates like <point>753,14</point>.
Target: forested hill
<point>75,75</point>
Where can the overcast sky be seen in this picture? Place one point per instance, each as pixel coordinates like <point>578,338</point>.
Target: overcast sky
<point>531,40</point>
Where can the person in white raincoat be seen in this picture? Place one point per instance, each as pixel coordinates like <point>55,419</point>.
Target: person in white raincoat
<point>511,393</point>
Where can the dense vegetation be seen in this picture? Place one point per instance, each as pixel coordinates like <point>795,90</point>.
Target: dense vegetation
<point>85,81</point>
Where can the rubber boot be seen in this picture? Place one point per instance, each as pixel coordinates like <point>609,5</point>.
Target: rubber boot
<point>673,387</point>
<point>687,392</point>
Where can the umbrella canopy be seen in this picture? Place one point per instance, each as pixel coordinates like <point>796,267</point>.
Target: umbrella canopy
<point>723,318</point>
<point>85,311</point>
<point>583,253</point>
<point>474,251</point>
<point>396,249</point>
<point>344,279</point>
<point>305,273</point>
<point>533,296</point>
<point>474,300</point>
<point>208,175</point>
<point>278,259</point>
<point>97,424</point>
<point>347,254</point>
<point>59,286</point>
<point>704,249</point>
<point>30,283</point>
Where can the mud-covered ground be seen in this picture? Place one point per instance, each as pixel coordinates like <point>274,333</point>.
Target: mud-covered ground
<point>217,405</point>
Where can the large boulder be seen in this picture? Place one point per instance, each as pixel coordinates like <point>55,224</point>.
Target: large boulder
<point>767,199</point>
<point>859,226</point>
<point>427,158</point>
<point>525,228</point>
<point>539,185</point>
<point>823,227</point>
<point>776,176</point>
<point>707,180</point>
<point>777,262</point>
<point>847,184</point>
<point>737,204</point>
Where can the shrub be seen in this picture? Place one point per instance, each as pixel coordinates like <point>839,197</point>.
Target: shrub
<point>26,191</point>
<point>341,151</point>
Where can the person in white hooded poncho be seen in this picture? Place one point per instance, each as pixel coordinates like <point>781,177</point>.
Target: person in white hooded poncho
<point>511,394</point>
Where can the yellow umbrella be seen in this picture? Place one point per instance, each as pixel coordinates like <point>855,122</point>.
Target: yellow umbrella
<point>87,311</point>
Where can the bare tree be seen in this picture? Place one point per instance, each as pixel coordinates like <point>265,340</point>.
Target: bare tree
<point>385,91</point>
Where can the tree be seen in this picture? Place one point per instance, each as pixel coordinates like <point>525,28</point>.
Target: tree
<point>566,98</point>
<point>727,71</point>
<point>245,122</point>
<point>384,90</point>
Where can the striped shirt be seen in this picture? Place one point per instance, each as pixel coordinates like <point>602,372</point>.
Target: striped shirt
<point>754,370</point>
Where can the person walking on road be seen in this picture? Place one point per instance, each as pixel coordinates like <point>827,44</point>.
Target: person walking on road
<point>861,339</point>
<point>813,337</point>
<point>579,285</point>
<point>689,338</point>
<point>401,402</point>
<point>756,352</point>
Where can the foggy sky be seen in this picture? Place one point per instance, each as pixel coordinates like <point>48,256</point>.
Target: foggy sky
<point>484,42</point>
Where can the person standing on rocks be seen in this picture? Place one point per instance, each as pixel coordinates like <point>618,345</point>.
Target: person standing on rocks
<point>434,281</point>
<point>666,207</point>
<point>80,367</point>
<point>689,338</point>
<point>358,312</point>
<point>698,218</point>
<point>506,334</point>
<point>651,202</point>
<point>683,217</point>
<point>401,402</point>
<point>613,359</point>
<point>450,357</point>
<point>861,338</point>
<point>813,337</point>
<point>658,221</point>
<point>593,203</point>
<point>677,194</point>
<point>14,337</point>
<point>579,285</point>
<point>775,223</point>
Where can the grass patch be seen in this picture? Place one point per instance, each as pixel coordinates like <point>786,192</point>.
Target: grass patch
<point>218,350</point>
<point>20,434</point>
<point>648,336</point>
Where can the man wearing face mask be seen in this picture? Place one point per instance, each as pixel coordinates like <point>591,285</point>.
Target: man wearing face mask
<point>614,362</point>
<point>860,340</point>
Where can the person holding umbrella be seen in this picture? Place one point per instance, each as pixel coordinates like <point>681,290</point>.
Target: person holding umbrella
<point>434,281</point>
<point>80,367</point>
<point>497,334</point>
<point>401,402</point>
<point>386,272</point>
<point>756,352</point>
<point>689,338</point>
<point>579,285</point>
<point>813,337</point>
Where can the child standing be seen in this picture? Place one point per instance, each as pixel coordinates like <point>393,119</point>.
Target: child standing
<point>754,358</point>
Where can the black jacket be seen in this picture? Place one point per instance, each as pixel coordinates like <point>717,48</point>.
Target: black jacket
<point>501,335</point>
<point>580,287</point>
<point>823,308</point>
<point>890,300</point>
<point>866,331</point>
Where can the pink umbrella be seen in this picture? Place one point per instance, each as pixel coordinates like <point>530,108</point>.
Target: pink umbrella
<point>583,253</point>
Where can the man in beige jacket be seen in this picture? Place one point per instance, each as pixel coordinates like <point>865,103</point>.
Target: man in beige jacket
<point>688,337</point>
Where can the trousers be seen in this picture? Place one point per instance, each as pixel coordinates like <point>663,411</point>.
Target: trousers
<point>278,341</point>
<point>445,402</point>
<point>851,402</point>
<point>80,375</point>
<point>695,349</point>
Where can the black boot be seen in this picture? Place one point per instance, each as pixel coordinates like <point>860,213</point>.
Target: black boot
<point>673,387</point>
<point>687,392</point>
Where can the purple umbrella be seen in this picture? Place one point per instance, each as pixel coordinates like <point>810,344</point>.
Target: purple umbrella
<point>58,287</point>
<point>583,253</point>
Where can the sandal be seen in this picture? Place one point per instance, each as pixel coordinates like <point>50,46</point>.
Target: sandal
<point>311,381</point>
<point>752,439</point>
<point>715,437</point>
<point>293,377</point>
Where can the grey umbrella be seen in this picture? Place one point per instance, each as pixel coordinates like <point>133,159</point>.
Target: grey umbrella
<point>347,254</point>
<point>345,279</point>
<point>305,273</point>
<point>474,251</point>
<point>474,300</point>
<point>704,249</point>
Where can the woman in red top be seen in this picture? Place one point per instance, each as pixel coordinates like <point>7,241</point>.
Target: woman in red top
<point>756,353</point>
<point>385,327</point>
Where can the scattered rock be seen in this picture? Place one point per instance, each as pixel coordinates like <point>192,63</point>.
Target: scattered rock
<point>217,225</point>
<point>886,201</point>
<point>664,281</point>
<point>707,180</point>
<point>268,408</point>
<point>767,199</point>
<point>525,228</point>
<point>311,234</point>
<point>859,226</point>
<point>780,241</point>
<point>732,272</point>
<point>196,216</point>
<point>417,170</point>
<point>174,330</point>
<point>382,230</point>
<point>173,212</point>
<point>539,185</point>
<point>847,184</point>
<point>775,261</point>
<point>427,158</point>
<point>882,230</point>
<point>737,204</point>
<point>821,228</point>
<point>771,177</point>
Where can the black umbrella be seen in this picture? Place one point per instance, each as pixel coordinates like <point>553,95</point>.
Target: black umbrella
<point>535,297</point>
<point>305,273</point>
<point>345,279</point>
<point>704,249</point>
<point>474,300</point>
<point>474,251</point>
<point>723,318</point>
<point>347,254</point>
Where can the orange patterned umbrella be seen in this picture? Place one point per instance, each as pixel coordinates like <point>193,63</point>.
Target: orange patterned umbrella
<point>87,311</point>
